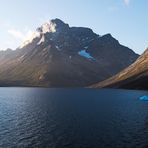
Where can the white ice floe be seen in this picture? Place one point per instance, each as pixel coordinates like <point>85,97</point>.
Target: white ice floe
<point>144,98</point>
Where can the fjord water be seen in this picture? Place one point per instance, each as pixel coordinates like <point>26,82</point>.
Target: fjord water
<point>57,118</point>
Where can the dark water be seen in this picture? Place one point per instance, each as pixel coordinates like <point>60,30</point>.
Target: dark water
<point>72,118</point>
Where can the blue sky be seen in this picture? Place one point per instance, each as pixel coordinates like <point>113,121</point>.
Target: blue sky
<point>126,20</point>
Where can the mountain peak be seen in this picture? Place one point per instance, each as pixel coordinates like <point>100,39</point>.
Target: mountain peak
<point>57,21</point>
<point>53,26</point>
<point>108,38</point>
<point>59,24</point>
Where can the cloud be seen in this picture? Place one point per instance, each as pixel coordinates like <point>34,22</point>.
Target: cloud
<point>127,2</point>
<point>5,24</point>
<point>17,34</point>
<point>44,19</point>
<point>28,35</point>
<point>22,36</point>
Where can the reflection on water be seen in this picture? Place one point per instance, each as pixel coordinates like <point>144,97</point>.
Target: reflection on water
<point>41,117</point>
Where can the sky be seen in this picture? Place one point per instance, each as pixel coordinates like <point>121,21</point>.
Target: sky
<point>126,20</point>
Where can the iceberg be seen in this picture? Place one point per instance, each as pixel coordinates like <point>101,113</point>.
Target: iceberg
<point>144,98</point>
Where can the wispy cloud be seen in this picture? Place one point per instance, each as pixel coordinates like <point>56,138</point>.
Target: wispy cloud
<point>22,36</point>
<point>44,19</point>
<point>127,2</point>
<point>17,34</point>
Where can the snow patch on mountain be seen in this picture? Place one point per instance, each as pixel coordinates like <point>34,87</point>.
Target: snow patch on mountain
<point>86,47</point>
<point>58,48</point>
<point>48,27</point>
<point>42,40</point>
<point>85,54</point>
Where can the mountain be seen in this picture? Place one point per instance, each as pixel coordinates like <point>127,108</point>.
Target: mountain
<point>57,55</point>
<point>133,77</point>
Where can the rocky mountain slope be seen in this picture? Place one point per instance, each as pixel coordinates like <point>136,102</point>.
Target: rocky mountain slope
<point>133,77</point>
<point>61,56</point>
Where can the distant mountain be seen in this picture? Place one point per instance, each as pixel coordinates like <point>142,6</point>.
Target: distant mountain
<point>133,77</point>
<point>61,56</point>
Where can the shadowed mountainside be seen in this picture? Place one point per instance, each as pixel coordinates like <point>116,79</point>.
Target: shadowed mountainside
<point>133,77</point>
<point>61,56</point>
